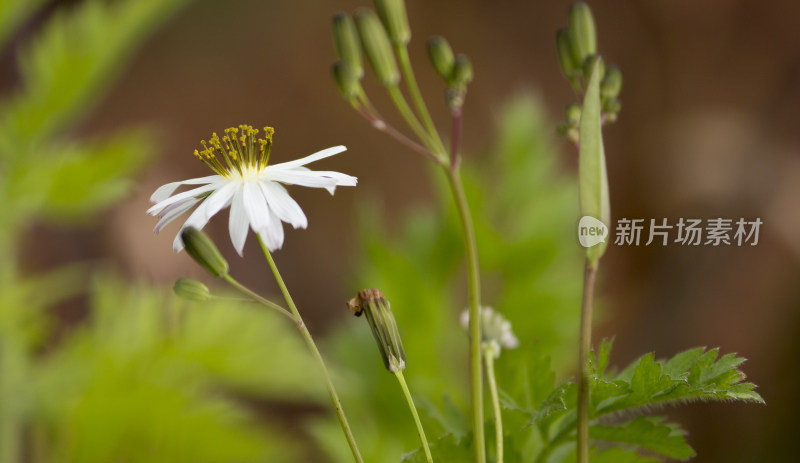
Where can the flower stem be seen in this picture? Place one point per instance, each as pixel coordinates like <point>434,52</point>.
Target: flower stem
<point>589,276</point>
<point>420,430</point>
<point>337,404</point>
<point>244,289</point>
<point>408,115</point>
<point>473,280</point>
<point>498,418</point>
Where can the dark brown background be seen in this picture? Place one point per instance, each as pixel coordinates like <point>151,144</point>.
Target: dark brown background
<point>709,129</point>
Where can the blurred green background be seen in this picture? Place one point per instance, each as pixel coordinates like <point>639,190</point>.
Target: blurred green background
<point>96,112</point>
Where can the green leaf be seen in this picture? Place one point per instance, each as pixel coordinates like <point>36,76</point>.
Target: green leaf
<point>446,449</point>
<point>592,177</point>
<point>449,416</point>
<point>619,455</point>
<point>602,357</point>
<point>648,433</point>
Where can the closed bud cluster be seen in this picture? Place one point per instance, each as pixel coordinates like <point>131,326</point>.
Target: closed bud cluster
<point>394,18</point>
<point>583,38</point>
<point>375,307</point>
<point>192,290</point>
<point>569,65</point>
<point>346,80</point>
<point>200,247</point>
<point>496,330</point>
<point>570,126</point>
<point>610,87</point>
<point>377,48</point>
<point>441,56</point>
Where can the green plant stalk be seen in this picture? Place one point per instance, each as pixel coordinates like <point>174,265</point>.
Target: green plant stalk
<point>589,276</point>
<point>411,119</point>
<point>498,418</point>
<point>312,346</point>
<point>255,296</point>
<point>416,96</point>
<point>401,379</point>
<point>473,280</point>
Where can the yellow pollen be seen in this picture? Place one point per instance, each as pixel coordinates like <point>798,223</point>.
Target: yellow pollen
<point>237,155</point>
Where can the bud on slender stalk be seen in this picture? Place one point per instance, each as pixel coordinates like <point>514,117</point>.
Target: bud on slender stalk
<point>345,40</point>
<point>346,81</point>
<point>611,84</point>
<point>377,48</point>
<point>569,66</point>
<point>441,56</point>
<point>582,31</point>
<point>462,71</point>
<point>395,19</point>
<point>593,63</point>
<point>200,247</point>
<point>573,114</point>
<point>381,320</point>
<point>192,290</point>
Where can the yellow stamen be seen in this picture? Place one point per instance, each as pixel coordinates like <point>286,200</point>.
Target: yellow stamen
<point>234,154</point>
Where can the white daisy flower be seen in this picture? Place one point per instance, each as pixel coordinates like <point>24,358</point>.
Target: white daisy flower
<point>495,328</point>
<point>244,181</point>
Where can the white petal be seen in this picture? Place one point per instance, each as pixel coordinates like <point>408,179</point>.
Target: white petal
<point>164,191</point>
<point>182,196</point>
<point>238,225</point>
<point>256,206</point>
<point>220,199</point>
<point>284,207</point>
<point>328,152</point>
<point>273,234</point>
<point>311,178</point>
<point>197,219</point>
<point>173,212</point>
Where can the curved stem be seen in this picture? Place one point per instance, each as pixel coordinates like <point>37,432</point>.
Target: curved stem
<point>420,430</point>
<point>473,273</point>
<point>256,297</point>
<point>411,119</point>
<point>416,96</point>
<point>589,275</point>
<point>498,418</point>
<point>337,404</point>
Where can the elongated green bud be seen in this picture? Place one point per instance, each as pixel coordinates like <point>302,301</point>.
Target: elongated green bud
<point>569,66</point>
<point>611,84</point>
<point>593,63</point>
<point>381,320</point>
<point>377,48</point>
<point>441,56</point>
<point>200,247</point>
<point>394,18</point>
<point>582,32</point>
<point>192,290</point>
<point>462,71</point>
<point>347,83</point>
<point>345,40</point>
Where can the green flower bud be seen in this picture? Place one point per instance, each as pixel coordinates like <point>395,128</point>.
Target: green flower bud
<point>589,66</point>
<point>394,17</point>
<point>200,247</point>
<point>611,109</point>
<point>377,48</point>
<point>569,66</point>
<point>582,31</point>
<point>381,320</point>
<point>192,290</point>
<point>573,114</point>
<point>462,71</point>
<point>441,56</point>
<point>345,40</point>
<point>347,82</point>
<point>611,84</point>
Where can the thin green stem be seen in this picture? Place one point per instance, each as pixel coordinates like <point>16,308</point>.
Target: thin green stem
<point>498,418</point>
<point>420,430</point>
<point>473,280</point>
<point>416,96</point>
<point>589,276</point>
<point>312,346</point>
<point>256,297</point>
<point>411,119</point>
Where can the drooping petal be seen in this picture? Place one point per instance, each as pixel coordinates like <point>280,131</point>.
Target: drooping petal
<point>220,199</point>
<point>156,209</point>
<point>238,224</point>
<point>173,212</point>
<point>256,206</point>
<point>328,152</point>
<point>284,207</point>
<point>311,178</point>
<point>273,235</point>
<point>164,191</point>
<point>197,219</point>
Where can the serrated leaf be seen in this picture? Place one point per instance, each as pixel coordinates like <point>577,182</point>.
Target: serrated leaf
<point>446,449</point>
<point>647,433</point>
<point>619,455</point>
<point>602,357</point>
<point>449,416</point>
